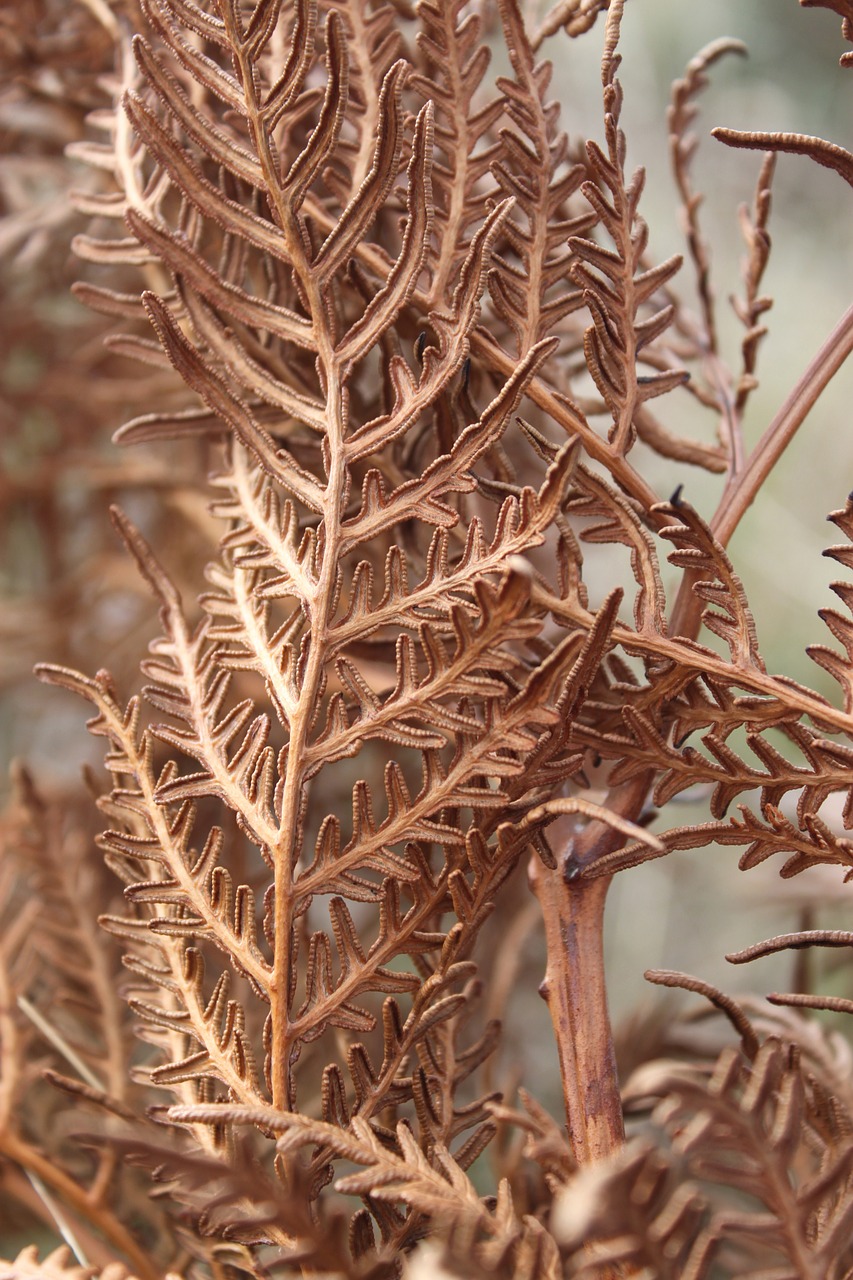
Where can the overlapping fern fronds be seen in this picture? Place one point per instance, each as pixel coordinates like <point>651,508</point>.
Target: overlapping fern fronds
<point>393,303</point>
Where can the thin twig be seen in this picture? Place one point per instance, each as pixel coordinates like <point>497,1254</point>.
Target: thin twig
<point>62,1224</point>
<point>54,1037</point>
<point>743,487</point>
<point>740,493</point>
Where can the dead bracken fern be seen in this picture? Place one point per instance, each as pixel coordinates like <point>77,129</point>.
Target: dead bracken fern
<point>413,327</point>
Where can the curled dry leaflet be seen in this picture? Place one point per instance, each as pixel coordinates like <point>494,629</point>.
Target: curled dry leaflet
<point>408,330</point>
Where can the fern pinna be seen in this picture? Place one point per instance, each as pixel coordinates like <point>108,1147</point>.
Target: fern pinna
<point>421,332</point>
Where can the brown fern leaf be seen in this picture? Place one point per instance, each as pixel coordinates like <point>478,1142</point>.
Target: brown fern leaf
<point>58,1265</point>
<point>520,525</point>
<point>395,1171</point>
<point>603,1218</point>
<point>698,551</point>
<point>617,522</point>
<point>754,305</point>
<point>681,115</point>
<point>83,1000</point>
<point>756,1127</point>
<point>455,63</point>
<point>824,773</point>
<point>840,626</point>
<point>66,1046</point>
<point>534,171</point>
<point>201,1035</point>
<point>374,45</point>
<point>816,843</point>
<point>264,324</point>
<point>234,1208</point>
<point>358,262</point>
<point>614,287</point>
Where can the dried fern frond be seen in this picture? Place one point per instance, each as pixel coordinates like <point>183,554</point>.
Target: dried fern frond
<point>63,1035</point>
<point>58,1265</point>
<point>614,281</point>
<point>738,1171</point>
<point>771,1114</point>
<point>375,290</point>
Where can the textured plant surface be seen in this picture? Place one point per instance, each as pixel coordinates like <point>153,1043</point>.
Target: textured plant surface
<point>409,331</point>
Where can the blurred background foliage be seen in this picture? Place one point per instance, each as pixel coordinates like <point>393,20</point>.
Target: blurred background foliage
<point>67,593</point>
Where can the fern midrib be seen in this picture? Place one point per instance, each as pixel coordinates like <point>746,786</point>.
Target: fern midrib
<point>499,361</point>
<point>791,777</point>
<point>284,852</point>
<point>625,422</point>
<point>633,535</point>
<point>463,144</point>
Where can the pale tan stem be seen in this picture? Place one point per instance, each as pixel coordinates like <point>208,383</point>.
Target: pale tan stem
<point>742,488</point>
<point>744,485</point>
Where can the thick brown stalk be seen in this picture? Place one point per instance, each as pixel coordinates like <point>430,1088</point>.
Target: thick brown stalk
<point>573,910</point>
<point>574,986</point>
<point>574,990</point>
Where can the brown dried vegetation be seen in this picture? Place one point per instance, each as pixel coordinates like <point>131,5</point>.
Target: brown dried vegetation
<point>414,331</point>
